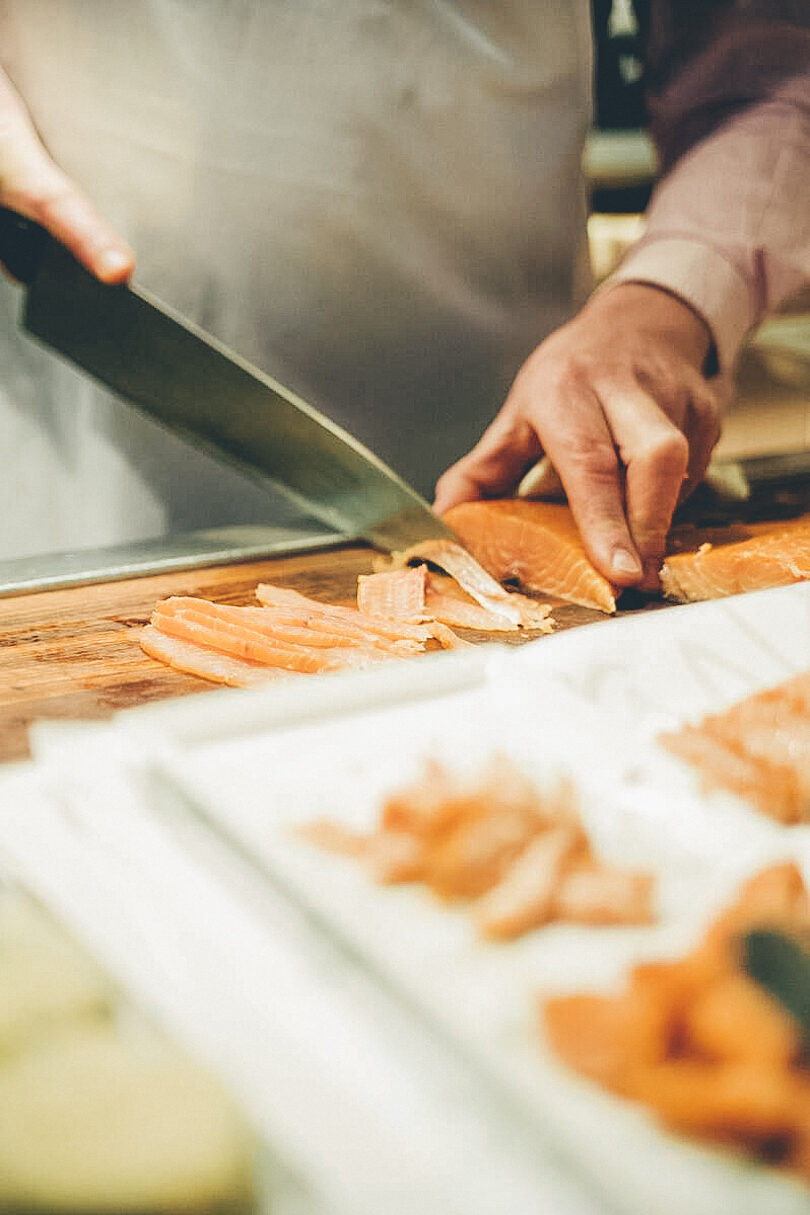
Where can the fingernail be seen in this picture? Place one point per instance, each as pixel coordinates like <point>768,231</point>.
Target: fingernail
<point>113,263</point>
<point>625,564</point>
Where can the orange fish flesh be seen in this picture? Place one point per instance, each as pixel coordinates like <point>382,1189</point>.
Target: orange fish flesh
<point>535,543</point>
<point>766,555</point>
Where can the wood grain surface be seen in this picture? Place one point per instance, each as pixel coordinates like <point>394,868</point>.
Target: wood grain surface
<point>74,653</point>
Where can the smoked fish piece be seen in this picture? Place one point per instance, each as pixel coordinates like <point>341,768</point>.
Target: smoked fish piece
<point>398,594</point>
<point>206,663</point>
<point>695,1039</point>
<point>758,748</point>
<point>496,844</point>
<point>518,610</point>
<point>283,597</point>
<point>535,543</point>
<point>769,555</point>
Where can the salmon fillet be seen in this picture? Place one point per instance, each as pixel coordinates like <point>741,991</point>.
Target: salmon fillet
<point>769,555</point>
<point>535,543</point>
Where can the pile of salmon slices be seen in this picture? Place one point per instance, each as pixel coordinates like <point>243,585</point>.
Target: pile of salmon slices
<point>401,612</point>
<point>758,749</point>
<point>517,857</point>
<point>701,1043</point>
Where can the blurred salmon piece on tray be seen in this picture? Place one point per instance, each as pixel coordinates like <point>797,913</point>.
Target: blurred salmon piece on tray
<point>520,858</point>
<point>759,749</point>
<point>711,1050</point>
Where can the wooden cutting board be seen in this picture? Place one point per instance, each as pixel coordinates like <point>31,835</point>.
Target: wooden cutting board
<point>74,653</point>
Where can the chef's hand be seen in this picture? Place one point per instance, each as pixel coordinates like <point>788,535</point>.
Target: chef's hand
<point>618,402</point>
<point>32,185</point>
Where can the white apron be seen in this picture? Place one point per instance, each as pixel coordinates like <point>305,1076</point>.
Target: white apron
<point>377,201</point>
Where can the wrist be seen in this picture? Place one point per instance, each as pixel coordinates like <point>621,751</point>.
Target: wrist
<point>657,312</point>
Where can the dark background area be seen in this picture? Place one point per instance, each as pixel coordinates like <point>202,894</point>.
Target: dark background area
<point>619,88</point>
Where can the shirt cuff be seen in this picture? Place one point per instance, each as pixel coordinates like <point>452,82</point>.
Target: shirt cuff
<point>704,279</point>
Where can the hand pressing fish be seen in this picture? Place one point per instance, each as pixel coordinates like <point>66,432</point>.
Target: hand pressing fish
<point>538,546</point>
<point>517,857</point>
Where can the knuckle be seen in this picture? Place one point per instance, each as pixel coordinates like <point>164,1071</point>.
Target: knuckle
<point>666,453</point>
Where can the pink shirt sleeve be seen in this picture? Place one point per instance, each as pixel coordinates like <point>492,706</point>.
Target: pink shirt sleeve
<point>728,228</point>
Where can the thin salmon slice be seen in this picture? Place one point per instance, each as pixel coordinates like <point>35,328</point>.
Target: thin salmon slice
<point>316,630</point>
<point>464,614</point>
<point>759,748</point>
<point>205,663</point>
<point>403,594</point>
<point>535,543</point>
<point>398,594</point>
<point>253,646</point>
<point>513,608</point>
<point>768,556</point>
<point>600,894</point>
<point>525,897</point>
<point>285,597</point>
<point>498,845</point>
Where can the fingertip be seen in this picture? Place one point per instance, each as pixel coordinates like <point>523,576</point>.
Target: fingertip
<point>73,221</point>
<point>625,567</point>
<point>113,264</point>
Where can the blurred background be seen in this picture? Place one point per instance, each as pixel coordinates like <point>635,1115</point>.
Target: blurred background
<point>771,415</point>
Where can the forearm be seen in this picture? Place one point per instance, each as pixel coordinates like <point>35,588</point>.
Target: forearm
<point>728,229</point>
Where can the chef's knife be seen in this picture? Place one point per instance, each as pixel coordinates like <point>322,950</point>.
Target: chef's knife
<point>191,383</point>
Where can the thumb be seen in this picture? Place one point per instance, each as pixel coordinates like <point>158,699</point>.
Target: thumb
<point>34,186</point>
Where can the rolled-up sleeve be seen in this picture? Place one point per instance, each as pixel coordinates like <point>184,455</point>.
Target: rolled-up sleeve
<point>728,226</point>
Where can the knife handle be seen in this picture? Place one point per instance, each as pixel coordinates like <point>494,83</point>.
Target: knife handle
<point>22,245</point>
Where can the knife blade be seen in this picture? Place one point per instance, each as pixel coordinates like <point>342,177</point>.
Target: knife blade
<point>193,384</point>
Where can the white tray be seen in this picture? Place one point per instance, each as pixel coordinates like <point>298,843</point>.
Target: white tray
<point>589,702</point>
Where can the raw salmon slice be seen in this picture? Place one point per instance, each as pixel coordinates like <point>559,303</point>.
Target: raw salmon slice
<point>464,614</point>
<point>315,631</point>
<point>759,749</point>
<point>525,897</point>
<point>283,597</point>
<point>600,894</point>
<point>205,629</point>
<point>406,594</point>
<point>206,663</point>
<point>398,594</point>
<point>774,555</point>
<point>513,608</point>
<point>497,844</point>
<point>535,543</point>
